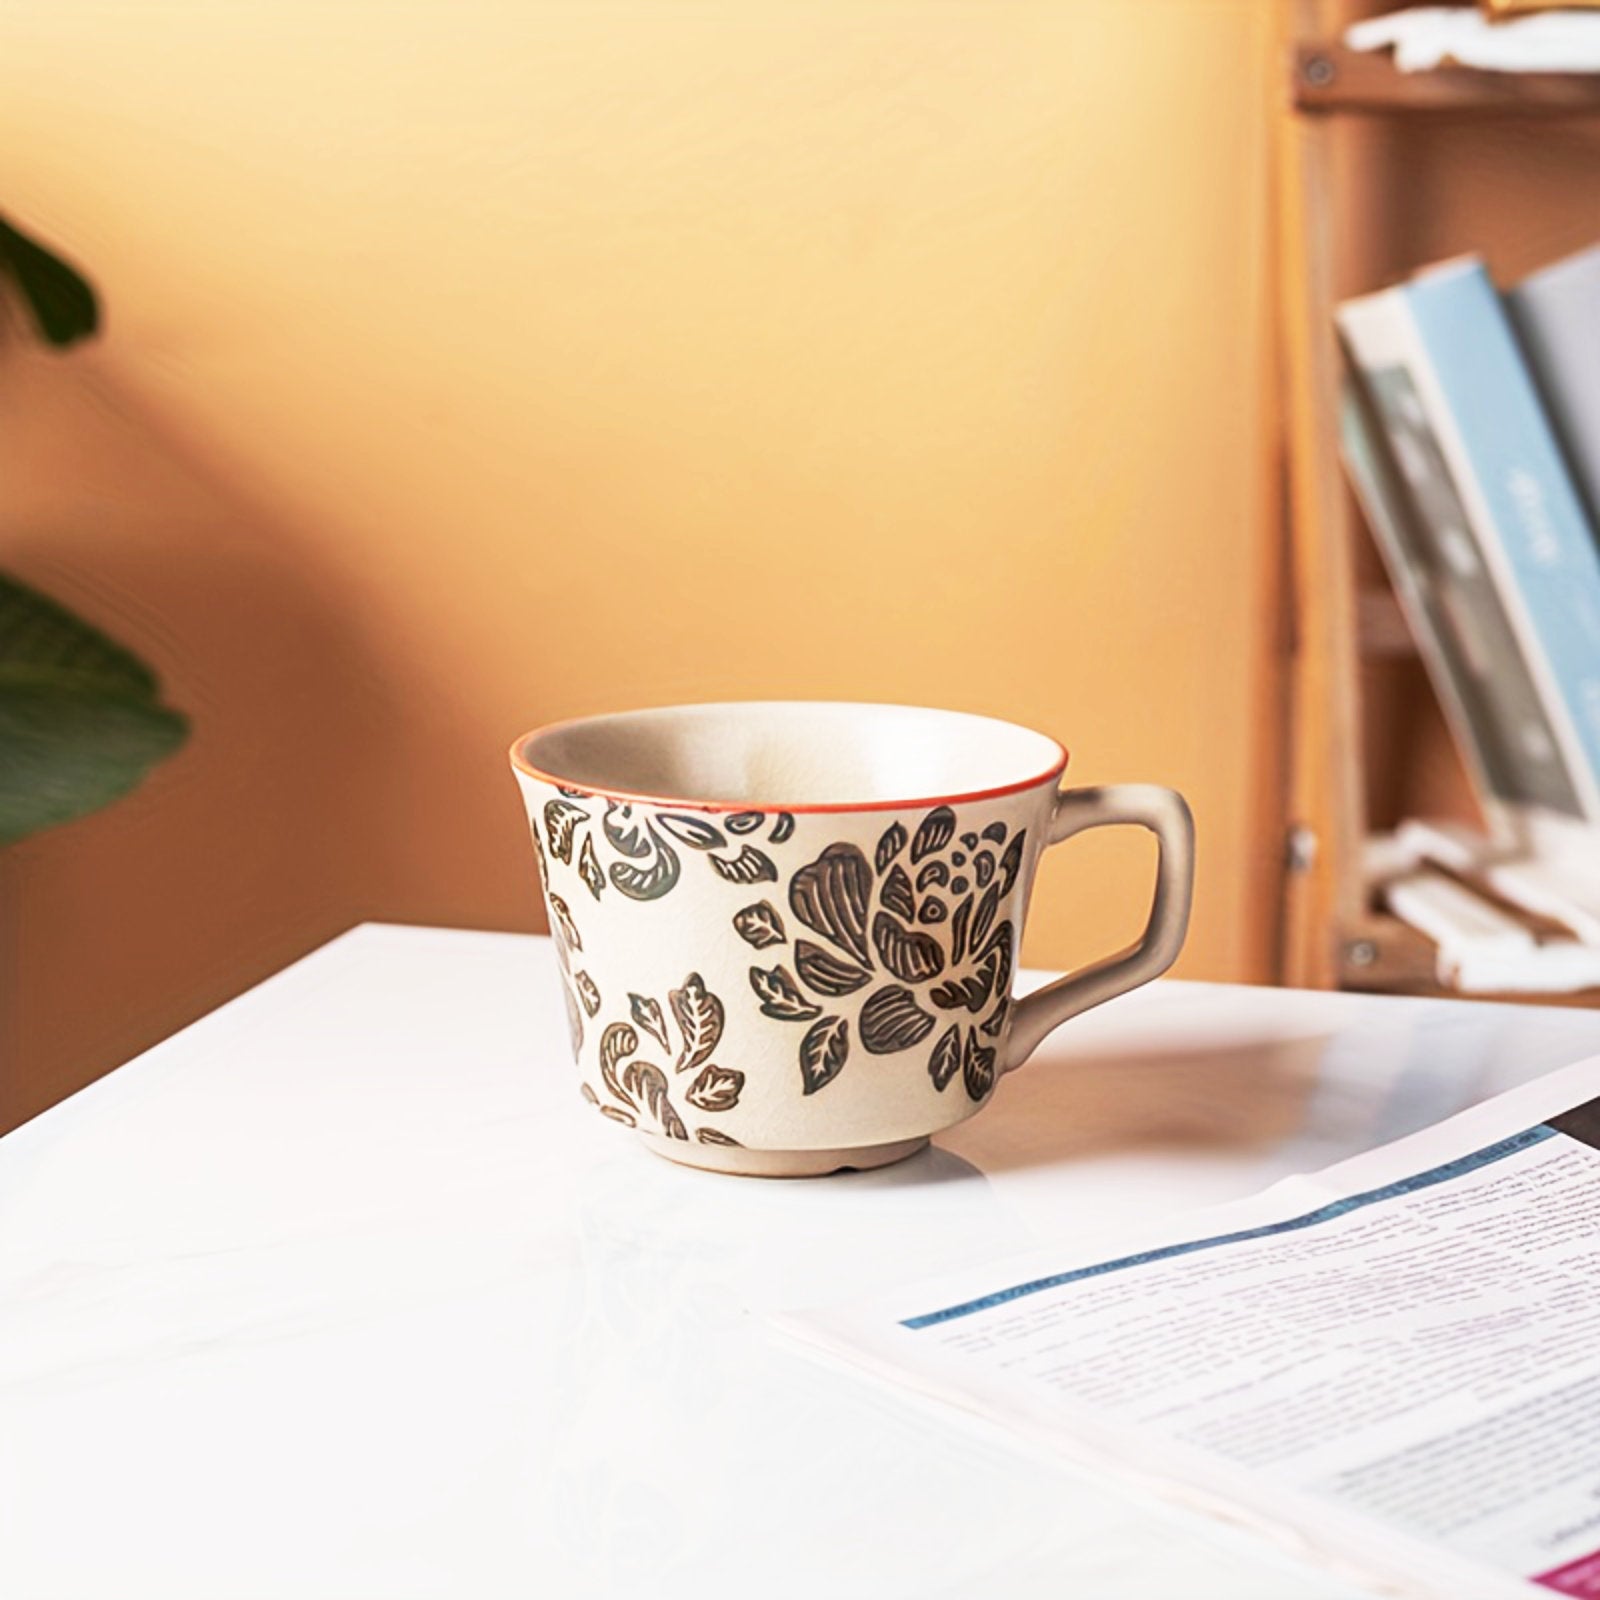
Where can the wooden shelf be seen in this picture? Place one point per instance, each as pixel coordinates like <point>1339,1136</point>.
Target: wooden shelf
<point>1381,955</point>
<point>1328,77</point>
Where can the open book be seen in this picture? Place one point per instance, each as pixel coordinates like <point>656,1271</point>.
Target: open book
<point>1394,1363</point>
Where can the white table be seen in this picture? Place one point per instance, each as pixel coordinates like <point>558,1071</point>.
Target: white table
<point>343,1292</point>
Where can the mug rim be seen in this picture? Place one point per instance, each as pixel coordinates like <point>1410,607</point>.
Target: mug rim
<point>522,764</point>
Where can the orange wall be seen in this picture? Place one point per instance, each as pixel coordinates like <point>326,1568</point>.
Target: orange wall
<point>471,365</point>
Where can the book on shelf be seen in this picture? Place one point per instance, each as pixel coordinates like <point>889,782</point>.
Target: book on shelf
<point>1471,493</point>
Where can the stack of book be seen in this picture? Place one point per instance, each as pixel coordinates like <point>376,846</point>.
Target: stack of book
<point>1471,430</point>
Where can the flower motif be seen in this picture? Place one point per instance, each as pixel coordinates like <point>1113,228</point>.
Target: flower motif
<point>925,912</point>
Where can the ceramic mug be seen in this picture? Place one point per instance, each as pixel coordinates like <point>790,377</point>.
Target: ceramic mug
<point>788,931</point>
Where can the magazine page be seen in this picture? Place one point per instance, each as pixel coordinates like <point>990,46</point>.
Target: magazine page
<point>1395,1363</point>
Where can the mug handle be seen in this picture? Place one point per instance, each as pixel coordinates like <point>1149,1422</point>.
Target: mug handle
<point>1166,814</point>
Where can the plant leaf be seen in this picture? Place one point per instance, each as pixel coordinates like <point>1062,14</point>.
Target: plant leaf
<point>649,1083</point>
<point>749,866</point>
<point>561,819</point>
<point>695,832</point>
<point>830,896</point>
<point>892,1020</point>
<point>984,920</point>
<point>958,930</point>
<point>890,845</point>
<point>700,1018</point>
<point>977,1067</point>
<point>63,304</point>
<point>945,1061</point>
<point>825,973</point>
<point>823,1052</point>
<point>628,832</point>
<point>716,1089</point>
<point>933,833</point>
<point>780,995</point>
<point>896,894</point>
<point>589,867</point>
<point>587,993</point>
<point>561,919</point>
<point>911,956</point>
<point>617,1041</point>
<point>80,718</point>
<point>716,1136</point>
<point>760,925</point>
<point>1011,862</point>
<point>647,1013</point>
<point>647,882</point>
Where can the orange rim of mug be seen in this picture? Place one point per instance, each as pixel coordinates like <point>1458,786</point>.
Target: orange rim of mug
<point>732,807</point>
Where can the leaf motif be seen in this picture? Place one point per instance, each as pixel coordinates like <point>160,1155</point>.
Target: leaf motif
<point>827,974</point>
<point>746,821</point>
<point>574,1015</point>
<point>932,909</point>
<point>700,1018</point>
<point>958,931</point>
<point>649,1084</point>
<point>1011,862</point>
<point>933,872</point>
<point>830,896</point>
<point>561,819</point>
<point>823,1052</point>
<point>587,992</point>
<point>890,844</point>
<point>945,1061</point>
<point>760,925</point>
<point>984,920</point>
<point>782,828</point>
<point>977,1067</point>
<point>970,993</point>
<point>994,1024</point>
<point>617,1041</point>
<point>995,833</point>
<point>589,867</point>
<point>717,1136</point>
<point>588,1094</point>
<point>749,866</point>
<point>780,996</point>
<point>648,882</point>
<point>983,867</point>
<point>911,957</point>
<point>896,894</point>
<point>934,833</point>
<point>628,832</point>
<point>716,1089</point>
<point>892,1020</point>
<point>695,832</point>
<point>626,1118</point>
<point>999,947</point>
<point>561,918</point>
<point>647,1013</point>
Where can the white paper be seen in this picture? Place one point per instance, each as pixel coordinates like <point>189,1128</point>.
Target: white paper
<point>1425,37</point>
<point>1395,1363</point>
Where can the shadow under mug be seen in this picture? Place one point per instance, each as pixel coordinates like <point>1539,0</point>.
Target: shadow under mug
<point>788,931</point>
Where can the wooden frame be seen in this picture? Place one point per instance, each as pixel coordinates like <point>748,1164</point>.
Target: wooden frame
<point>1331,938</point>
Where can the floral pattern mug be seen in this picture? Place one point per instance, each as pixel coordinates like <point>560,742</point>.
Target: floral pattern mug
<point>788,931</point>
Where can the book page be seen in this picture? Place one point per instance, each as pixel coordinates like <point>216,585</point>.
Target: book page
<point>1398,1360</point>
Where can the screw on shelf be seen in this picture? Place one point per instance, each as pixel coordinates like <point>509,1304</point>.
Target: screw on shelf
<point>1300,848</point>
<point>1318,72</point>
<point>1361,953</point>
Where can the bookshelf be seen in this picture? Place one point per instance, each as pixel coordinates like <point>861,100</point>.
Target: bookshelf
<point>1342,618</point>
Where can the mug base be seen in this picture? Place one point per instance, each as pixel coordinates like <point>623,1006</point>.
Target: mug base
<point>740,1162</point>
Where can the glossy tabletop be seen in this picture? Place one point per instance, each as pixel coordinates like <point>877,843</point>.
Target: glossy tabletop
<point>344,1291</point>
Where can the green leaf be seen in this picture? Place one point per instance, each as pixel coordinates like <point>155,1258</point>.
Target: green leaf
<point>63,304</point>
<point>81,722</point>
